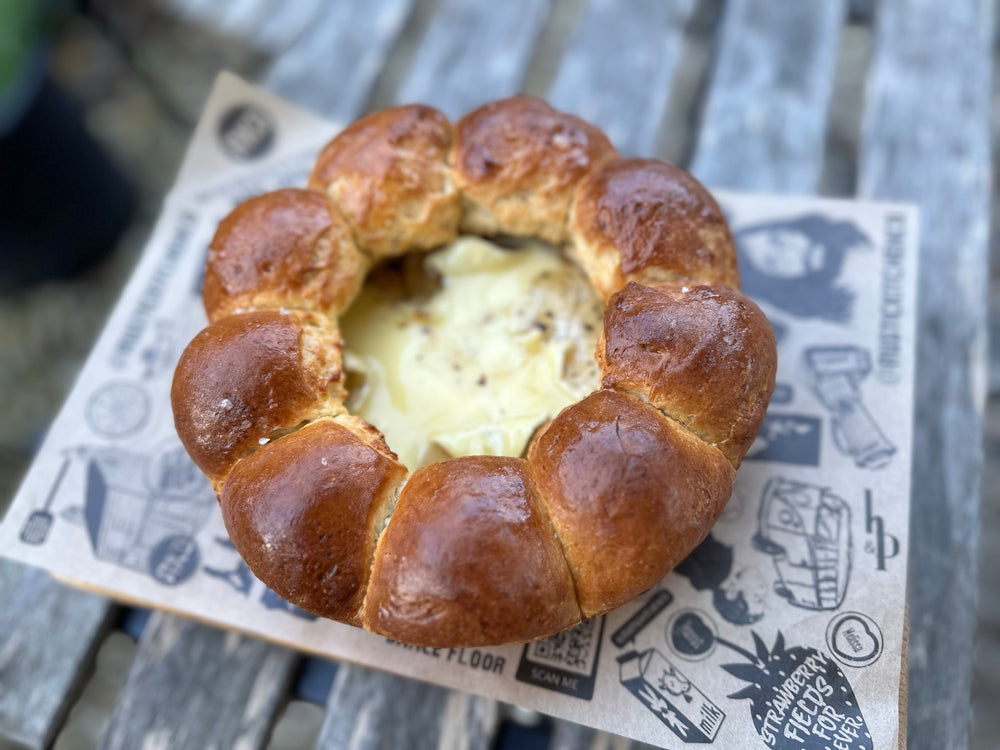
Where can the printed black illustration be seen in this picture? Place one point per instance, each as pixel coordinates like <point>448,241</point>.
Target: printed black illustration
<point>799,698</point>
<point>669,694</point>
<point>658,683</point>
<point>565,662</point>
<point>789,438</point>
<point>142,511</point>
<point>807,531</point>
<point>691,634</point>
<point>36,528</point>
<point>835,375</point>
<point>883,545</point>
<point>246,131</point>
<point>783,394</point>
<point>658,602</point>
<point>271,600</point>
<point>238,576</point>
<point>795,265</point>
<point>854,639</point>
<point>241,579</point>
<point>139,511</point>
<point>737,595</point>
<point>160,355</point>
<point>118,409</point>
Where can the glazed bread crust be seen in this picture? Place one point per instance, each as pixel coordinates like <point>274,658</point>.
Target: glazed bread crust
<point>479,550</point>
<point>648,221</point>
<point>469,558</point>
<point>283,248</point>
<point>247,377</point>
<point>517,163</point>
<point>701,354</point>
<point>307,509</point>
<point>628,490</point>
<point>388,176</point>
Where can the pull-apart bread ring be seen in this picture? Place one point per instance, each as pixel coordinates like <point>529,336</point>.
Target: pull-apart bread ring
<point>610,495</point>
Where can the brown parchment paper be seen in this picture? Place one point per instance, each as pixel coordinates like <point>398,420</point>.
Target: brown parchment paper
<point>786,625</point>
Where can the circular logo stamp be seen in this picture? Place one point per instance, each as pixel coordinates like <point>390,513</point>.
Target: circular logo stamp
<point>117,409</point>
<point>854,639</point>
<point>174,559</point>
<point>246,132</point>
<point>691,634</point>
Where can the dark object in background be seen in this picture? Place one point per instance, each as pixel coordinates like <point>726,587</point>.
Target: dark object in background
<point>63,204</point>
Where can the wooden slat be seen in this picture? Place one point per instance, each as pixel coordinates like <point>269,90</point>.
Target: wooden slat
<point>569,736</point>
<point>267,25</point>
<point>370,709</point>
<point>474,53</point>
<point>49,636</point>
<point>618,69</point>
<point>195,686</point>
<point>926,140</point>
<point>765,116</point>
<point>332,67</point>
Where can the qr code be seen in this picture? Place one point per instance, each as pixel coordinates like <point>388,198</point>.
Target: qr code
<point>572,650</point>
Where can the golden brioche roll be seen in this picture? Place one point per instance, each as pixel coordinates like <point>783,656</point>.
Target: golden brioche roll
<point>388,175</point>
<point>469,559</point>
<point>282,249</point>
<point>248,377</point>
<point>704,355</point>
<point>517,162</point>
<point>629,491</point>
<point>304,513</point>
<point>479,550</point>
<point>648,221</point>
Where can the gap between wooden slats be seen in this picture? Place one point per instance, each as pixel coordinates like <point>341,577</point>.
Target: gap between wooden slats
<point>618,69</point>
<point>569,736</point>
<point>197,686</point>
<point>473,53</point>
<point>371,709</point>
<point>49,635</point>
<point>333,66</point>
<point>926,140</point>
<point>765,115</point>
<point>268,25</point>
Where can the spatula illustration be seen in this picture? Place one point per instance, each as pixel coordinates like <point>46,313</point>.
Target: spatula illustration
<point>36,528</point>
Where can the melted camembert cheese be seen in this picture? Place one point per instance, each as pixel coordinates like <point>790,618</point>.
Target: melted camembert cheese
<point>474,368</point>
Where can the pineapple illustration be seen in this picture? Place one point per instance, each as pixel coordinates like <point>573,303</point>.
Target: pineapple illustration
<point>799,698</point>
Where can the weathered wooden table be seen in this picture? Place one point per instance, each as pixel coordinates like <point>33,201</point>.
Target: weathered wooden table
<point>762,111</point>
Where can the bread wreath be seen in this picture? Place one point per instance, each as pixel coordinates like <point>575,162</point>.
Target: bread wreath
<point>480,550</point>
